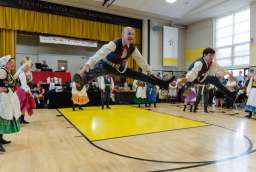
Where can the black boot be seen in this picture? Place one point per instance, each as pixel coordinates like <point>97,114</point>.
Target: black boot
<point>205,110</point>
<point>2,149</point>
<point>185,106</point>
<point>249,116</point>
<point>1,145</point>
<point>3,141</point>
<point>22,120</point>
<point>191,108</point>
<point>80,108</point>
<point>195,109</point>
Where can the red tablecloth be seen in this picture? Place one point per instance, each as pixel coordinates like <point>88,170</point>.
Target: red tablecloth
<point>42,76</point>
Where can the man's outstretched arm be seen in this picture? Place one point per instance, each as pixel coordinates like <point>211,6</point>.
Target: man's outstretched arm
<point>136,55</point>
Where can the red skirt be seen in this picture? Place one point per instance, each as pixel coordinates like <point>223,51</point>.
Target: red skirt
<point>27,102</point>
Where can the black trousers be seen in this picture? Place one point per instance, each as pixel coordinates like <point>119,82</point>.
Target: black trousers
<point>105,97</point>
<point>102,68</point>
<point>205,96</point>
<point>216,82</point>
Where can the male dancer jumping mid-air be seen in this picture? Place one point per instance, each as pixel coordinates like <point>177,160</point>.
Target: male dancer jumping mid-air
<point>112,58</point>
<point>205,71</point>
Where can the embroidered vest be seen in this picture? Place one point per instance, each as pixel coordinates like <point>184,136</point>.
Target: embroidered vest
<point>8,82</point>
<point>116,56</point>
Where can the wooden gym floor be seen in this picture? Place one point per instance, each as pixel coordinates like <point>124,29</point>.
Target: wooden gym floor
<point>126,138</point>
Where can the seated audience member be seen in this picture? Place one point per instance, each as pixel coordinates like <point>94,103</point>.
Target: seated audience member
<point>38,93</point>
<point>79,95</point>
<point>232,87</point>
<point>242,97</point>
<point>240,77</point>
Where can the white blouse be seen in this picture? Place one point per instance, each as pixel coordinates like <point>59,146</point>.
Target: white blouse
<point>23,81</point>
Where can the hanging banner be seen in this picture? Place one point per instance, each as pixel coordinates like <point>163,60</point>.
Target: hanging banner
<point>170,46</point>
<point>66,41</point>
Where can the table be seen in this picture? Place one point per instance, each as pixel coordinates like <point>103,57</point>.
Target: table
<point>59,99</point>
<point>124,97</point>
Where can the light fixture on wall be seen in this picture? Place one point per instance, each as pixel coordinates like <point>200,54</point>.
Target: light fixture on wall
<point>170,1</point>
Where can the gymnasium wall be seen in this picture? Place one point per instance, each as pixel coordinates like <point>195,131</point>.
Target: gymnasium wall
<point>197,37</point>
<point>156,46</point>
<point>28,45</point>
<point>253,35</point>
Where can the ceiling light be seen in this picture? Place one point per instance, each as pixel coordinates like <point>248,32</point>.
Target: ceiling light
<point>170,1</point>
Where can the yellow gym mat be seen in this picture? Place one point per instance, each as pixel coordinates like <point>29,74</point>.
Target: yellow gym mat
<point>122,120</point>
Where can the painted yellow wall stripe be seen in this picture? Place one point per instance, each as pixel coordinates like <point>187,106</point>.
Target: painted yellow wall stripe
<point>253,55</point>
<point>170,61</point>
<point>192,54</point>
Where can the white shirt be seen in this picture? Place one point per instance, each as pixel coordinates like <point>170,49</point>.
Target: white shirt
<point>111,47</point>
<point>231,85</point>
<point>214,69</point>
<point>102,83</point>
<point>23,81</point>
<point>82,92</point>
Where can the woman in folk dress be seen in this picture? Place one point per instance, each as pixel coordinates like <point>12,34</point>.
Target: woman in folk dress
<point>251,92</point>
<point>9,102</point>
<point>27,102</point>
<point>79,95</point>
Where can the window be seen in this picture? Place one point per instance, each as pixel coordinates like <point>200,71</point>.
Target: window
<point>232,39</point>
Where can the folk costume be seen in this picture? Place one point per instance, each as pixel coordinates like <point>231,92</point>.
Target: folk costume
<point>9,103</point>
<point>190,97</point>
<point>112,58</point>
<point>79,96</point>
<point>251,92</point>
<point>27,101</point>
<point>199,72</point>
<point>151,94</point>
<point>106,85</point>
<point>141,93</point>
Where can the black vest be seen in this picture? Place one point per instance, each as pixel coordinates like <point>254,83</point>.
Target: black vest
<point>203,71</point>
<point>115,57</point>
<point>8,82</point>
